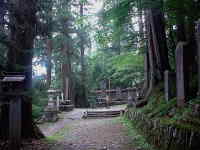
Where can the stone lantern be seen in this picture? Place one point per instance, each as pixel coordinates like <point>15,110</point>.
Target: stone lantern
<point>52,109</point>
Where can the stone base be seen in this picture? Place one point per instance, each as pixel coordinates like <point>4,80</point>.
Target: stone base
<point>66,108</point>
<point>50,116</point>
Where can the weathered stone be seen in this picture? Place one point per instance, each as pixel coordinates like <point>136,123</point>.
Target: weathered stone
<point>169,85</point>
<point>52,109</point>
<point>130,101</point>
<point>131,98</point>
<point>108,101</point>
<point>180,85</point>
<point>118,93</point>
<point>50,112</point>
<point>196,111</point>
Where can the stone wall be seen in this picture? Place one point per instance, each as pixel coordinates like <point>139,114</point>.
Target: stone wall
<point>165,137</point>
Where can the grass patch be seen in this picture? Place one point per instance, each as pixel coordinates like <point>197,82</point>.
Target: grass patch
<point>139,141</point>
<point>60,135</point>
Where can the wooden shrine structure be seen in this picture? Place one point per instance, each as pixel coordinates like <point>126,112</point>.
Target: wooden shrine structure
<point>11,92</point>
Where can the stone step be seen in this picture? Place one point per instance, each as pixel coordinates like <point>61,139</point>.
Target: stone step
<point>113,102</point>
<point>104,114</point>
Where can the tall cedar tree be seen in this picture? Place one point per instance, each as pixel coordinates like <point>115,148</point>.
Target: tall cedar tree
<point>22,21</point>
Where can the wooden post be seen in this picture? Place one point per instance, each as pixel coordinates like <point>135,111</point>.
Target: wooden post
<point>57,102</point>
<point>180,86</point>
<point>15,124</point>
<point>198,54</point>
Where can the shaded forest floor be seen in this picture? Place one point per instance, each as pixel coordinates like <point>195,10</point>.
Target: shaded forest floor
<point>72,132</point>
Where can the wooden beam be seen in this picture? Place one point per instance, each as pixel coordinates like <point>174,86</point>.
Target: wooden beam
<point>15,124</point>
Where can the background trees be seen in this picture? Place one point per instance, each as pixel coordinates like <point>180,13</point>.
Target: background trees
<point>153,29</point>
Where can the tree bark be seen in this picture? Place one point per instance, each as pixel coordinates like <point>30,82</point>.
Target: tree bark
<point>49,63</point>
<point>159,42</point>
<point>151,58</point>
<point>157,47</point>
<point>186,33</point>
<point>22,17</point>
<point>81,99</point>
<point>140,24</point>
<point>180,18</point>
<point>2,14</point>
<point>67,73</point>
<point>198,54</point>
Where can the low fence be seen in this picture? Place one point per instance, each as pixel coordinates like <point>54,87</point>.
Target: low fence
<point>116,96</point>
<point>166,137</point>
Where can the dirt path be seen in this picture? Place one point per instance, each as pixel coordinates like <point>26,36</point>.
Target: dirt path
<point>74,133</point>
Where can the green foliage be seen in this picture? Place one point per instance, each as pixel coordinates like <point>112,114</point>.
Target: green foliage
<point>38,107</point>
<point>39,100</point>
<point>168,114</point>
<point>36,111</point>
<point>115,29</point>
<point>139,141</point>
<point>163,109</point>
<point>124,70</point>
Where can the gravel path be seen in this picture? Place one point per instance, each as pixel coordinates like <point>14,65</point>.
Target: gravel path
<point>50,129</point>
<point>74,133</point>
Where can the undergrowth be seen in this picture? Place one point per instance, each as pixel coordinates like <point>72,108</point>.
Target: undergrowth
<point>168,113</point>
<point>139,141</point>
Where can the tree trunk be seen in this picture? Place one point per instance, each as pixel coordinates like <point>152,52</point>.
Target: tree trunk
<point>82,49</point>
<point>180,18</point>
<point>198,54</point>
<point>49,64</point>
<point>82,100</point>
<point>146,75</point>
<point>159,42</point>
<point>157,47</point>
<point>140,24</point>
<point>186,33</point>
<point>2,14</point>
<point>49,43</point>
<point>151,58</point>
<point>142,45</point>
<point>67,73</point>
<point>22,17</point>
